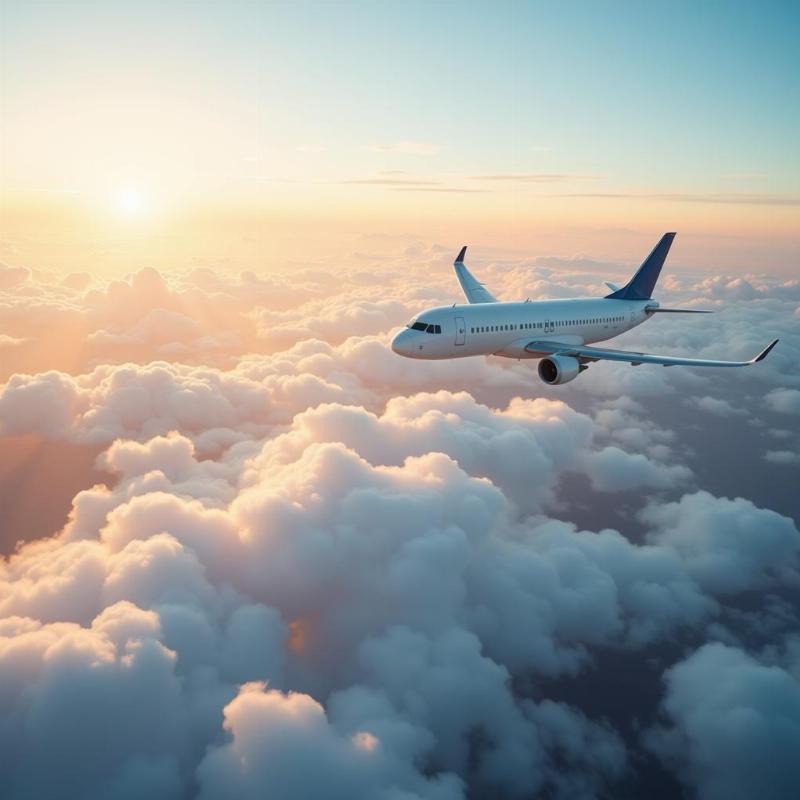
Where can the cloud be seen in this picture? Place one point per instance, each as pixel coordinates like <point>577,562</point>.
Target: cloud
<point>727,545</point>
<point>715,405</point>
<point>407,147</point>
<point>784,401</point>
<point>393,182</point>
<point>130,400</point>
<point>613,470</point>
<point>400,562</point>
<point>537,177</point>
<point>63,683</point>
<point>387,575</point>
<point>734,725</point>
<point>334,320</point>
<point>285,746</point>
<point>782,457</point>
<point>77,280</point>
<point>44,403</point>
<point>451,190</point>
<point>11,277</point>
<point>741,198</point>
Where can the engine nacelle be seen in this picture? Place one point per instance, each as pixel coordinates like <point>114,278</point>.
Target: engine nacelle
<point>559,369</point>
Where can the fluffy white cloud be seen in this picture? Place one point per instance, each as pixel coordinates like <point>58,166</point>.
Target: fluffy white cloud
<point>785,401</point>
<point>362,535</point>
<point>284,746</point>
<point>727,545</point>
<point>614,470</point>
<point>70,693</point>
<point>132,401</point>
<point>734,726</point>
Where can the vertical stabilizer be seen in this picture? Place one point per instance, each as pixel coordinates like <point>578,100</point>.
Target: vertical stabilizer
<point>641,285</point>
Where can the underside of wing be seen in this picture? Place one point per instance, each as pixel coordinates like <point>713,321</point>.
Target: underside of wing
<point>474,290</point>
<point>585,354</point>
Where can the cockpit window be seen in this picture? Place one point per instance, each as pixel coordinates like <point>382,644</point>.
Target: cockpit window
<point>425,327</point>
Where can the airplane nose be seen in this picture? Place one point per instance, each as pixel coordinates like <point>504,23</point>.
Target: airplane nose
<point>401,344</point>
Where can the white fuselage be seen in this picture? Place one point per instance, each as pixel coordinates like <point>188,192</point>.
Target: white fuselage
<point>505,329</point>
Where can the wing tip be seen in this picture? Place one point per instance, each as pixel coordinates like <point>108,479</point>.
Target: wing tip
<point>765,352</point>
<point>460,256</point>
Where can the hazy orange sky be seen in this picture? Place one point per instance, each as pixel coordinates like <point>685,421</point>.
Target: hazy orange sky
<point>258,135</point>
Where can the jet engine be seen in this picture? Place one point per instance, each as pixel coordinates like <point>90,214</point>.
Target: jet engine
<point>559,369</point>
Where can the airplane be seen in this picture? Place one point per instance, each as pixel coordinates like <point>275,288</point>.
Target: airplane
<point>558,332</point>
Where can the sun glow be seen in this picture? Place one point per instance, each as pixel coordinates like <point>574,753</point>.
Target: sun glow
<point>130,202</point>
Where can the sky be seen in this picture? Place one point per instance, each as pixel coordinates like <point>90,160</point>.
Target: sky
<point>138,131</point>
<point>246,550</point>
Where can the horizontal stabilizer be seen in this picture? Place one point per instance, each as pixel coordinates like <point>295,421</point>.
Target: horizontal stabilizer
<point>612,286</point>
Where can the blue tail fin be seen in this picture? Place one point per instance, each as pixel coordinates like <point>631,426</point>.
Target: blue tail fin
<point>641,285</point>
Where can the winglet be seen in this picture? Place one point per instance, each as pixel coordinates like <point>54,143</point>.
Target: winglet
<point>460,256</point>
<point>764,353</point>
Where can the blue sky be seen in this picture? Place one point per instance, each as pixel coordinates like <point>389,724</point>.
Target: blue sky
<point>301,105</point>
<point>676,93</point>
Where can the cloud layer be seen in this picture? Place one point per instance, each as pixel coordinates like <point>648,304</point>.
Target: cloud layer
<point>319,569</point>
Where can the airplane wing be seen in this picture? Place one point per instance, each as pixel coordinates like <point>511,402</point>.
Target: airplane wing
<point>600,354</point>
<point>474,290</point>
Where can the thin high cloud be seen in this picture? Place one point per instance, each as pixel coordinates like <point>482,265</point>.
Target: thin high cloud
<point>389,181</point>
<point>753,199</point>
<point>448,189</point>
<point>536,177</point>
<point>393,181</point>
<point>407,147</point>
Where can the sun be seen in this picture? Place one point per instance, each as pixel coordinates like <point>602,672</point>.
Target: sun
<point>130,201</point>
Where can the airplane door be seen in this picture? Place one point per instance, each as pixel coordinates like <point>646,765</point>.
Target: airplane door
<point>461,331</point>
<point>549,327</point>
